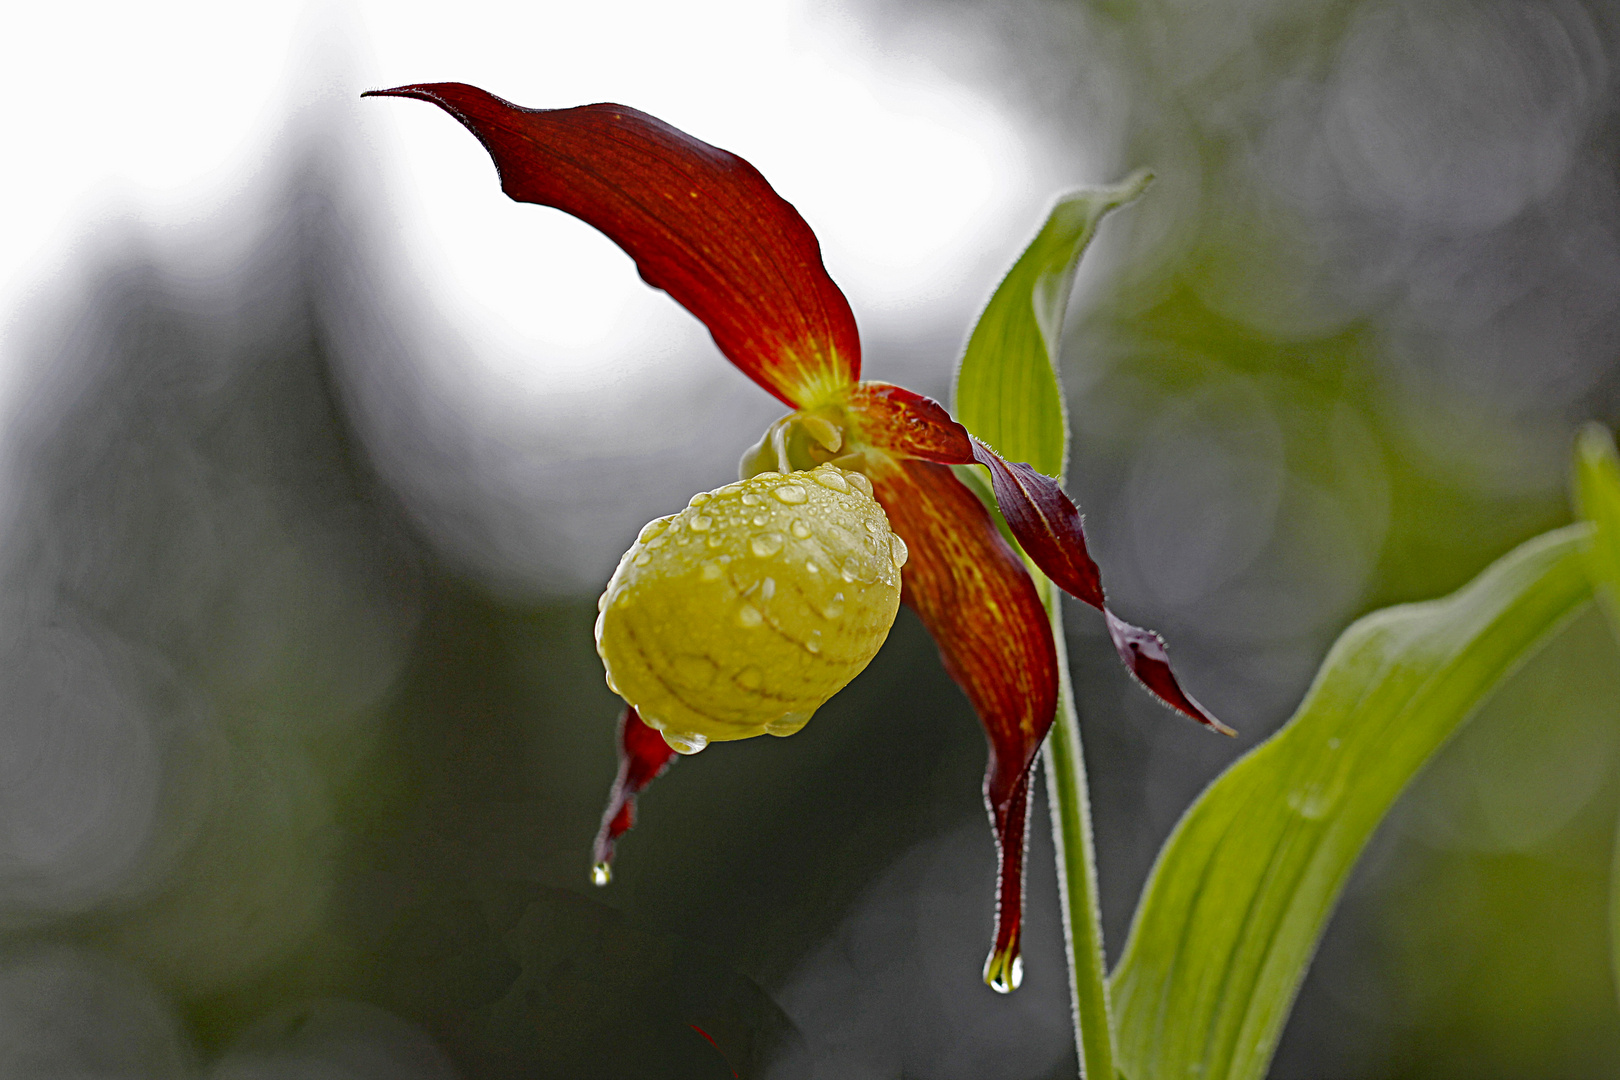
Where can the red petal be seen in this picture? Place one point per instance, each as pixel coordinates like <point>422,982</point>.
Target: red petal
<point>1047,525</point>
<point>1040,514</point>
<point>643,757</point>
<point>979,603</point>
<point>906,424</point>
<point>702,224</point>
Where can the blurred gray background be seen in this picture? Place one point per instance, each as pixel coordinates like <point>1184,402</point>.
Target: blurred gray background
<point>304,738</point>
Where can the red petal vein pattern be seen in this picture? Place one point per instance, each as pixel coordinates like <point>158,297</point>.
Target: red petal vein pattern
<point>981,607</point>
<point>643,757</point>
<point>906,424</point>
<point>701,224</point>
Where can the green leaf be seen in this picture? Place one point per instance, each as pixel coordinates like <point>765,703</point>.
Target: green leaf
<point>1597,494</point>
<point>1244,886</point>
<point>1007,389</point>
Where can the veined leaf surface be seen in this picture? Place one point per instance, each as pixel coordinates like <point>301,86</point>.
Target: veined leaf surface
<point>1244,887</point>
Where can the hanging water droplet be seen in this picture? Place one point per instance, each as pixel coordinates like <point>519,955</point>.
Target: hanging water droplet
<point>788,723</point>
<point>766,544</point>
<point>748,615</point>
<point>898,550</point>
<point>792,494</point>
<point>701,523</point>
<point>685,742</point>
<point>1004,977</point>
<point>750,499</point>
<point>799,529</point>
<point>601,874</point>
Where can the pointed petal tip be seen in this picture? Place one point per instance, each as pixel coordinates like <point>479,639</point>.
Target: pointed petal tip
<point>1146,658</point>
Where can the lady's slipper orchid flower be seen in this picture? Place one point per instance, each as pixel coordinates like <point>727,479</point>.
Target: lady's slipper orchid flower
<point>782,587</point>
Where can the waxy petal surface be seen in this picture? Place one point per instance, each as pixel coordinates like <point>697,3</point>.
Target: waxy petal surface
<point>643,757</point>
<point>981,607</point>
<point>701,223</point>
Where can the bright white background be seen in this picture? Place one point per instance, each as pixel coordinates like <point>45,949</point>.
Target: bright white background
<point>164,113</point>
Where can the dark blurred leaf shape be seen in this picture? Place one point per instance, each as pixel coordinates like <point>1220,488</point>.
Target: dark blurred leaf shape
<point>1007,390</point>
<point>524,980</point>
<point>1243,889</point>
<point>1597,495</point>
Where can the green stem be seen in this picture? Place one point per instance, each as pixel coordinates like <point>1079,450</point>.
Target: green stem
<point>1077,868</point>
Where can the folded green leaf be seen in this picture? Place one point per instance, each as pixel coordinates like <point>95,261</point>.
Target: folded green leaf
<point>1245,885</point>
<point>1597,493</point>
<point>1007,390</point>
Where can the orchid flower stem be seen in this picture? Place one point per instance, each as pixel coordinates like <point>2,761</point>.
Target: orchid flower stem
<point>1070,802</point>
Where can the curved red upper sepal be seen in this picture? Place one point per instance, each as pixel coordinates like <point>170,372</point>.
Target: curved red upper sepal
<point>981,607</point>
<point>701,224</point>
<point>643,757</point>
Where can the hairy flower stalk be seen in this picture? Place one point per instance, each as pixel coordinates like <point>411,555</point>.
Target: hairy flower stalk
<point>744,612</point>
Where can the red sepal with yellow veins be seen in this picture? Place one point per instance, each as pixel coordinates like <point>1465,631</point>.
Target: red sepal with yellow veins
<point>982,609</point>
<point>701,223</point>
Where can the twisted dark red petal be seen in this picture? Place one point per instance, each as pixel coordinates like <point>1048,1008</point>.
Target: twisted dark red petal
<point>1040,514</point>
<point>981,607</point>
<point>643,757</point>
<point>701,224</point>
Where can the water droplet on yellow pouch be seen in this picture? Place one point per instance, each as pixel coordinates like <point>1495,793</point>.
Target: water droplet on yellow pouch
<point>812,642</point>
<point>898,550</point>
<point>792,494</point>
<point>601,874</point>
<point>699,499</point>
<point>787,724</point>
<point>811,568</point>
<point>643,559</point>
<point>767,588</point>
<point>711,571</point>
<point>799,529</point>
<point>701,523</point>
<point>714,541</point>
<point>760,519</point>
<point>652,529</point>
<point>685,742</point>
<point>766,544</point>
<point>748,615</point>
<point>859,483</point>
<point>750,499</point>
<point>623,599</point>
<point>749,678</point>
<point>829,477</point>
<point>834,608</point>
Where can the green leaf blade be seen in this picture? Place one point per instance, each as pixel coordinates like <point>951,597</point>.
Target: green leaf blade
<point>1244,887</point>
<point>1597,495</point>
<point>1007,387</point>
